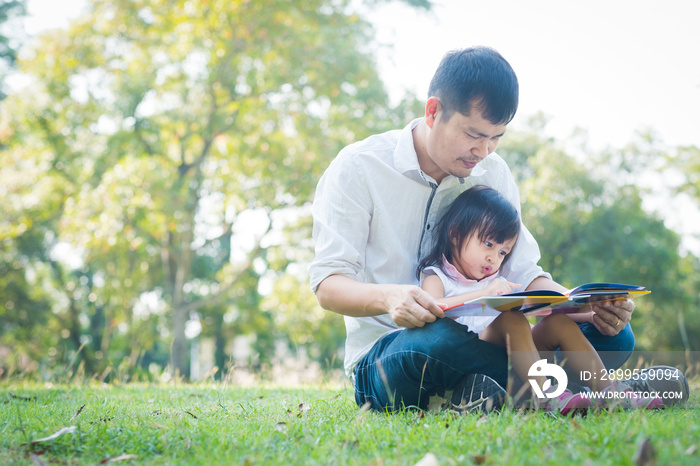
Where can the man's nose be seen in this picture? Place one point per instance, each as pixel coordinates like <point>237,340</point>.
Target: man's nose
<point>481,148</point>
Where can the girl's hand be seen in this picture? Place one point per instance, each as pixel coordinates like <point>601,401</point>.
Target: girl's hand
<point>500,286</point>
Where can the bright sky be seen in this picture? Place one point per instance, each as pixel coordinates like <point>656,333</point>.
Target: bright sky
<point>610,67</point>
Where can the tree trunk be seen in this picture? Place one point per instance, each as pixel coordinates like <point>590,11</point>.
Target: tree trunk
<point>178,352</point>
<point>219,345</point>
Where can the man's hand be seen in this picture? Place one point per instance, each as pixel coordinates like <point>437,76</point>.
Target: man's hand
<point>610,317</point>
<point>409,306</point>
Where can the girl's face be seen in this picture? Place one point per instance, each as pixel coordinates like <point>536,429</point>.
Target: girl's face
<point>478,259</point>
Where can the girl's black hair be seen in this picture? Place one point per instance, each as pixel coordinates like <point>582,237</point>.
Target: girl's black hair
<point>480,211</point>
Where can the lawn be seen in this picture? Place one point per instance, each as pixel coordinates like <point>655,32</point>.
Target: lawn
<point>215,424</point>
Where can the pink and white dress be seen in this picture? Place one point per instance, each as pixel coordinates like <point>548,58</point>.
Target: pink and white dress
<point>455,284</point>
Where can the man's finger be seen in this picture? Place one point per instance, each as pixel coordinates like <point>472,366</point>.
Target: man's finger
<point>609,316</point>
<point>608,312</point>
<point>430,305</point>
<point>411,318</point>
<point>604,327</point>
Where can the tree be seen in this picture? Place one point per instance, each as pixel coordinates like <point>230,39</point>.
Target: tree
<point>163,123</point>
<point>591,226</point>
<point>9,9</point>
<point>686,160</point>
<point>683,164</point>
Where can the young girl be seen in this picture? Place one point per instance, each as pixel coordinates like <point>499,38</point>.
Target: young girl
<point>472,241</point>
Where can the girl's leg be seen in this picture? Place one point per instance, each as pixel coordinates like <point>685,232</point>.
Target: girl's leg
<point>512,331</point>
<point>559,331</point>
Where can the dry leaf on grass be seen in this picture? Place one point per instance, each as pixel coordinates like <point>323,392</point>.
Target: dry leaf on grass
<point>281,427</point>
<point>117,459</point>
<point>646,454</point>
<point>428,460</point>
<point>80,410</point>
<point>102,419</point>
<point>65,430</point>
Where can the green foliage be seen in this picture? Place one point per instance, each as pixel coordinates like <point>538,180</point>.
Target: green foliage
<point>149,133</point>
<point>9,10</point>
<point>587,215</point>
<point>687,161</point>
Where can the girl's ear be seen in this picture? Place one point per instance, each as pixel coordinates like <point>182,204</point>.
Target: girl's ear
<point>454,240</point>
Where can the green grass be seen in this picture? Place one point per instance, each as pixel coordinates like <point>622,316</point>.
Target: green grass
<point>214,424</point>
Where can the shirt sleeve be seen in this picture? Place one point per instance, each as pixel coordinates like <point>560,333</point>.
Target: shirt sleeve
<point>342,211</point>
<point>431,270</point>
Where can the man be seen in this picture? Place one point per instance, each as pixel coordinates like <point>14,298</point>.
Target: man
<point>374,211</point>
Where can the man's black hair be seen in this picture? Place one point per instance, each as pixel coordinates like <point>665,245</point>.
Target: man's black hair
<point>476,77</point>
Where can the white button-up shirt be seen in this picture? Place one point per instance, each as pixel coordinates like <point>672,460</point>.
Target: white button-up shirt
<point>374,214</point>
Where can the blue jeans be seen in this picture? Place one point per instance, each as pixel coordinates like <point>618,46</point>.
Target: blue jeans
<point>406,367</point>
<point>613,351</point>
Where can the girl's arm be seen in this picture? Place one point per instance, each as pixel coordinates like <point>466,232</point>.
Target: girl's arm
<point>434,287</point>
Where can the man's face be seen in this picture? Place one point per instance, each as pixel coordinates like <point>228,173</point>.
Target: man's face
<point>456,145</point>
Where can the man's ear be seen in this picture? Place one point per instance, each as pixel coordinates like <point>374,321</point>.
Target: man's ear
<point>433,107</point>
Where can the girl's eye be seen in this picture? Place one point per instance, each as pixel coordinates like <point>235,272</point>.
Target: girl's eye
<point>503,253</point>
<point>488,243</point>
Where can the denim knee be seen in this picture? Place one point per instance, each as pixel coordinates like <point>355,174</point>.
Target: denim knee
<point>404,368</point>
<point>614,350</point>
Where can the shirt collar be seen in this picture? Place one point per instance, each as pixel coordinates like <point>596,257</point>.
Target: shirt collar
<point>406,158</point>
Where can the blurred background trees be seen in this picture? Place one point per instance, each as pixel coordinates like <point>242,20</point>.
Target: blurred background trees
<point>587,211</point>
<point>9,11</point>
<point>157,171</point>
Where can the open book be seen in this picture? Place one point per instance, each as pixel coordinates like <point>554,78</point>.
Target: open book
<point>545,302</point>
